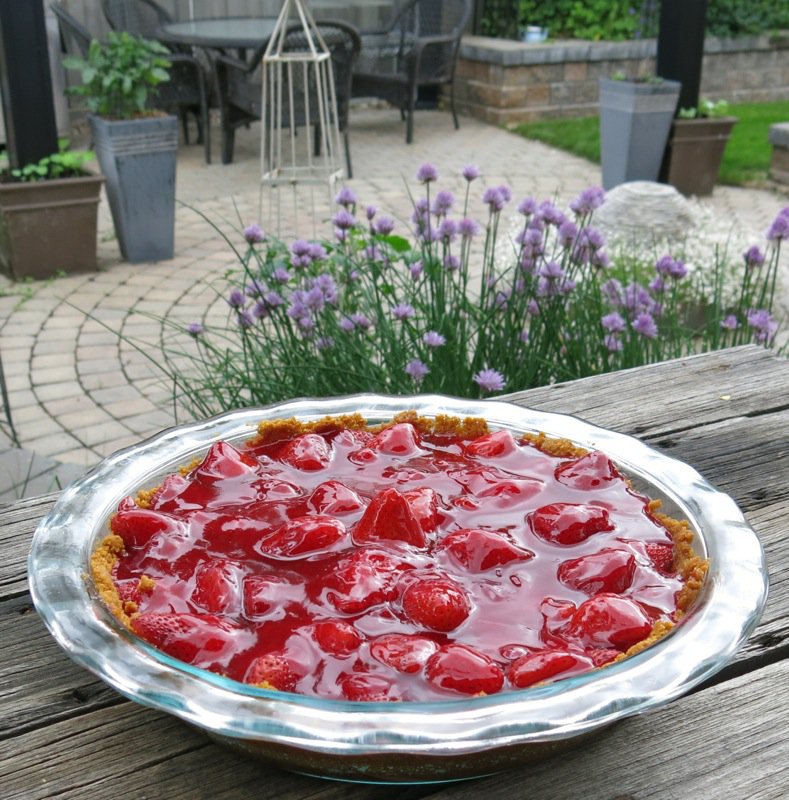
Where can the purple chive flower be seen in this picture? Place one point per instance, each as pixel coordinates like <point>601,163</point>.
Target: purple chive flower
<point>612,342</point>
<point>754,257</point>
<point>416,269</point>
<point>341,235</point>
<point>361,321</point>
<point>780,226</point>
<point>324,343</point>
<point>307,324</point>
<point>657,285</point>
<point>613,292</point>
<point>524,337</point>
<point>195,329</point>
<point>236,299</point>
<point>443,202</point>
<point>447,230</point>
<point>490,380</point>
<point>613,322</point>
<point>730,323</point>
<point>371,211</point>
<point>433,339</point>
<point>763,324</point>
<point>254,234</point>
<point>468,228</point>
<point>314,299</point>
<point>645,325</point>
<point>383,226</point>
<point>493,198</point>
<point>281,275</point>
<point>345,197</point>
<point>567,233</point>
<point>416,369</point>
<point>254,288</point>
<point>300,254</point>
<point>317,252</point>
<point>246,319</point>
<point>273,299</point>
<point>635,298</point>
<point>470,172</point>
<point>549,213</point>
<point>527,206</point>
<point>373,253</point>
<point>451,263</point>
<point>552,271</point>
<point>533,307</point>
<point>343,220</point>
<point>427,173</point>
<point>505,192</point>
<point>353,276</point>
<point>347,324</point>
<point>402,311</point>
<point>588,201</point>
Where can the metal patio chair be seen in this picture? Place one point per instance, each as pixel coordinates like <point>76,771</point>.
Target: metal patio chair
<point>418,49</point>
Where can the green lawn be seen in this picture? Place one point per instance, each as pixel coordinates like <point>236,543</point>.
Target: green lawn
<point>747,157</point>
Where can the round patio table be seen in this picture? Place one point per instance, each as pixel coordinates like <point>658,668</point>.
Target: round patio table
<point>238,33</point>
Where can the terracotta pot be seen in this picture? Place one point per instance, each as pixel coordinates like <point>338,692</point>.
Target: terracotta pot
<point>695,152</point>
<point>47,227</point>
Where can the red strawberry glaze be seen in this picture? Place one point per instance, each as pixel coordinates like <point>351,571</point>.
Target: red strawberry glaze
<point>415,562</point>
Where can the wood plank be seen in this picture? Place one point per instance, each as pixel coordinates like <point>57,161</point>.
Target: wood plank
<point>17,523</point>
<point>728,741</point>
<point>732,736</point>
<point>674,395</point>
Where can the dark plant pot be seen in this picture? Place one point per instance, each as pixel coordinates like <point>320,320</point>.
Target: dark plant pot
<point>635,120</point>
<point>47,227</point>
<point>138,159</point>
<point>695,152</point>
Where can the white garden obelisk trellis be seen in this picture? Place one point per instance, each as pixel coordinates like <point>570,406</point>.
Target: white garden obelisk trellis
<point>298,92</point>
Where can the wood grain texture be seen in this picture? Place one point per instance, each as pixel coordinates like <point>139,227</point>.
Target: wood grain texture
<point>726,414</point>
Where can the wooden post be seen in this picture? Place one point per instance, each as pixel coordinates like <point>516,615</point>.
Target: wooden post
<point>26,83</point>
<point>680,46</point>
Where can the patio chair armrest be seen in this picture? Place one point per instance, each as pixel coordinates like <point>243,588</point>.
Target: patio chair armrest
<point>226,61</point>
<point>415,54</point>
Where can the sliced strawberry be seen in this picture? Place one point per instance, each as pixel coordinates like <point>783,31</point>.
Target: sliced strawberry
<point>569,523</point>
<point>400,439</point>
<point>592,471</point>
<point>556,614</point>
<point>492,445</point>
<point>479,550</point>
<point>269,595</point>
<point>547,664</point>
<point>217,587</point>
<point>367,687</point>
<point>466,503</point>
<point>389,517</point>
<point>459,668</point>
<point>436,603</point>
<point>364,579</point>
<point>402,652</point>
<point>610,570</point>
<point>602,655</point>
<point>272,671</point>
<point>662,556</point>
<point>337,637</point>
<point>168,491</point>
<point>137,526</point>
<point>424,505</point>
<point>609,621</point>
<point>202,639</point>
<point>334,498</point>
<point>308,452</point>
<point>304,536</point>
<point>223,461</point>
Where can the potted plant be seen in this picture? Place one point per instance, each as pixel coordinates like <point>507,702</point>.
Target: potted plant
<point>135,145</point>
<point>696,146</point>
<point>635,120</point>
<point>48,216</point>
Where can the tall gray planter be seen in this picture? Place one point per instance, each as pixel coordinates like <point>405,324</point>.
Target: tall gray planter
<point>635,120</point>
<point>138,159</point>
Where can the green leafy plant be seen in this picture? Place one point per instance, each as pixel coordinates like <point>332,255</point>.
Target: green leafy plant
<point>706,109</point>
<point>118,75</point>
<point>65,163</point>
<point>453,305</point>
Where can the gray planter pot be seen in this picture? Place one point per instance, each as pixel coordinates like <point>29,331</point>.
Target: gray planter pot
<point>635,120</point>
<point>138,159</point>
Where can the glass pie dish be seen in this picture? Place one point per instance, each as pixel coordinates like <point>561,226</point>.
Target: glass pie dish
<point>407,741</point>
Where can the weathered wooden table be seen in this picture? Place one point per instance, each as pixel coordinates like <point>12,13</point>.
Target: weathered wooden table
<point>64,734</point>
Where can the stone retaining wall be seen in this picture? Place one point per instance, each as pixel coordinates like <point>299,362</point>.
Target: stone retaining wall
<point>505,82</point>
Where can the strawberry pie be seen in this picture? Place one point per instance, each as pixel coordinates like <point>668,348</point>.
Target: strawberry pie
<point>422,559</point>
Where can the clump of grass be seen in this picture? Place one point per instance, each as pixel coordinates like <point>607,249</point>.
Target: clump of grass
<point>745,162</point>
